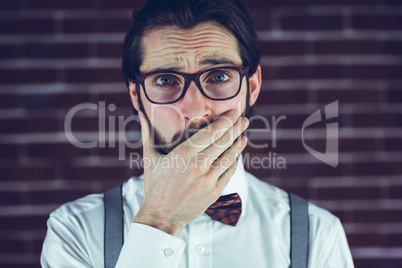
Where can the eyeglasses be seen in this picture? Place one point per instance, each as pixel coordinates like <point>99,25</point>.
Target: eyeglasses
<point>166,87</point>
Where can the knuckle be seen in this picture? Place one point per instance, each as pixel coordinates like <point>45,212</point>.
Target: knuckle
<point>198,168</point>
<point>185,149</point>
<point>230,171</point>
<point>226,161</point>
<point>225,140</point>
<point>210,177</point>
<point>218,132</point>
<point>222,124</point>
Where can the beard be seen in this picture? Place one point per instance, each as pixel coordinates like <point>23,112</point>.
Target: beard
<point>163,146</point>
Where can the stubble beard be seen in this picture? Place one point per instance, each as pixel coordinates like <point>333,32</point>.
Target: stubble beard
<point>164,146</point>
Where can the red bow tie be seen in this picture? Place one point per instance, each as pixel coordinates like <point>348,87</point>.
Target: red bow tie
<point>226,209</point>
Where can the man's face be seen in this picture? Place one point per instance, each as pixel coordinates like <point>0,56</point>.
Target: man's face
<point>189,51</point>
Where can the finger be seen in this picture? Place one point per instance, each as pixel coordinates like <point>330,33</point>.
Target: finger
<point>209,134</point>
<point>227,140</point>
<point>228,157</point>
<point>224,179</point>
<point>148,149</point>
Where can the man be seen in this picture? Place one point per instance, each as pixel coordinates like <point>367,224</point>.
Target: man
<point>192,65</point>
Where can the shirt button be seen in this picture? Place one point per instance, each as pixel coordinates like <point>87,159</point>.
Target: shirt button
<point>168,252</point>
<point>200,249</point>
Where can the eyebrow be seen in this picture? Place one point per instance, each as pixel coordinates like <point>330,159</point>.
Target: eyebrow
<point>207,61</point>
<point>210,61</point>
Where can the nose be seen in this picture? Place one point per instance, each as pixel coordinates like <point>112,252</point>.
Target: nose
<point>195,107</point>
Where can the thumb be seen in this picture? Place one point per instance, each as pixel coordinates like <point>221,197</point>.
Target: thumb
<point>148,150</point>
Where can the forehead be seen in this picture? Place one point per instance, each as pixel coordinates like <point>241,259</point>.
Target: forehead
<point>189,49</point>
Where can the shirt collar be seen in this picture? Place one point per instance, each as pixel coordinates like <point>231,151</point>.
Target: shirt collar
<point>238,184</point>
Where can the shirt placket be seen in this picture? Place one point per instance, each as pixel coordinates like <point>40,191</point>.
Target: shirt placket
<point>199,244</point>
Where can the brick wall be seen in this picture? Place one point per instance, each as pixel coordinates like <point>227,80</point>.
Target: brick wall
<point>57,54</point>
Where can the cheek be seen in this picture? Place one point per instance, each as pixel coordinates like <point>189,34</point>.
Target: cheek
<point>238,103</point>
<point>167,119</point>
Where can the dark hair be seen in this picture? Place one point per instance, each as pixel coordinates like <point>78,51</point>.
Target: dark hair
<point>233,15</point>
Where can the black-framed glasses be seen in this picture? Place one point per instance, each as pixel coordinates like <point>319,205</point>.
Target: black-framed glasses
<point>219,84</point>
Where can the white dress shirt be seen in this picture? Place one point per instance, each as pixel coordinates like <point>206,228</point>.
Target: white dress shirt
<point>261,238</point>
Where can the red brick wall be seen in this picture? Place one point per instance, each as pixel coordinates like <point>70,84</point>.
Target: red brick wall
<point>57,54</point>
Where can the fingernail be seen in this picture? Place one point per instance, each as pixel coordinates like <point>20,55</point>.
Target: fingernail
<point>244,139</point>
<point>245,120</point>
<point>235,163</point>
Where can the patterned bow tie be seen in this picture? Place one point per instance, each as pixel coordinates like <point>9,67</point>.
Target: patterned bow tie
<point>226,209</point>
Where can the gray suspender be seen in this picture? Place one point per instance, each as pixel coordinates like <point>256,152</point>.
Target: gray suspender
<point>299,229</point>
<point>114,235</point>
<point>299,232</point>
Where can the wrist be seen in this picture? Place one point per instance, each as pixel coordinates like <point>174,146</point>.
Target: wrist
<point>158,223</point>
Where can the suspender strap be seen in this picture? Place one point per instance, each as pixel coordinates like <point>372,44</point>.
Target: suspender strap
<point>299,232</point>
<point>114,236</point>
<point>113,226</point>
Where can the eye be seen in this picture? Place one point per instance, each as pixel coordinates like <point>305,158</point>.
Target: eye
<point>220,77</point>
<point>164,80</point>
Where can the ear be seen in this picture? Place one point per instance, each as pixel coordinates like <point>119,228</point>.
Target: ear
<point>133,94</point>
<point>255,85</point>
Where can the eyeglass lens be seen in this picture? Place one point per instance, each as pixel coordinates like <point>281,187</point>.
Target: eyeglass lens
<point>216,84</point>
